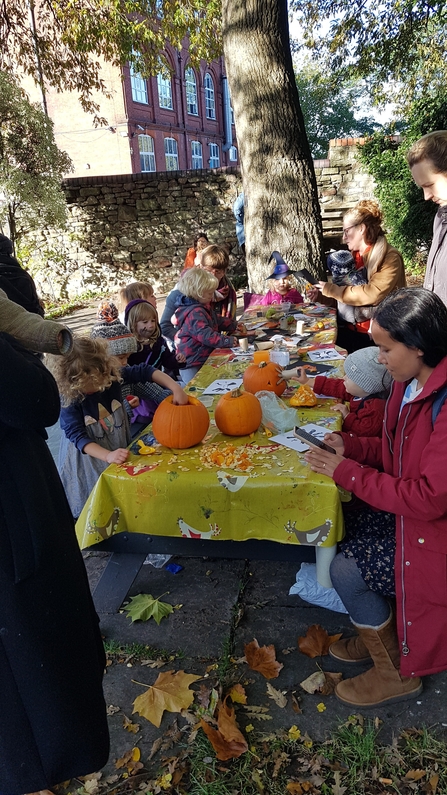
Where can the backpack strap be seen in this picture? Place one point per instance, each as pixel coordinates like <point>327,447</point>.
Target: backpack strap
<point>438,403</point>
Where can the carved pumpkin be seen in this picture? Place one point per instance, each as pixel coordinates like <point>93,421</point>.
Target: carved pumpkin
<point>263,376</point>
<point>304,396</point>
<point>180,426</point>
<point>238,413</point>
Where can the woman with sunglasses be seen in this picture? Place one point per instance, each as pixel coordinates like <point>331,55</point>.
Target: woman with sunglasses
<point>365,239</point>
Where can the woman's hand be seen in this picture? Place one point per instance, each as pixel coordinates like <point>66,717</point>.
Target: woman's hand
<point>320,286</point>
<point>117,456</point>
<point>322,462</point>
<point>180,398</point>
<point>342,408</point>
<point>312,294</point>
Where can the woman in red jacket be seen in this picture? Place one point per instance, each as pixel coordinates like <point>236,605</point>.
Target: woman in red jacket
<point>402,473</point>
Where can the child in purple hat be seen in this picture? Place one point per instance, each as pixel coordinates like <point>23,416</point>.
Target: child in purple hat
<point>282,289</point>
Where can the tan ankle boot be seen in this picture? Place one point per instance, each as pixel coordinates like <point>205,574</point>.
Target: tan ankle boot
<point>350,650</point>
<point>382,683</point>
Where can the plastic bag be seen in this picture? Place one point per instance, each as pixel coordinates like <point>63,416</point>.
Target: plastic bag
<point>275,414</point>
<point>157,561</point>
<point>308,587</point>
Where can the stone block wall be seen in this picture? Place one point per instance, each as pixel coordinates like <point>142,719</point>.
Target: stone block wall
<point>139,226</point>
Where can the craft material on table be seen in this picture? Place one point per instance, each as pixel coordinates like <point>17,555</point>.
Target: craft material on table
<point>324,355</point>
<point>222,385</point>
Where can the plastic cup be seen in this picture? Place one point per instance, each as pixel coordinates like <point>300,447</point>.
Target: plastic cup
<point>243,344</point>
<point>261,356</point>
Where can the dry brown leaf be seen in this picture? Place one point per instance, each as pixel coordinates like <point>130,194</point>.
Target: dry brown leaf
<point>330,683</point>
<point>296,704</point>
<point>314,682</point>
<point>227,741</point>
<point>433,782</point>
<point>262,659</point>
<point>415,775</point>
<point>153,663</point>
<point>316,641</point>
<point>111,709</point>
<point>278,697</point>
<point>130,760</point>
<point>294,787</point>
<point>129,726</point>
<point>281,759</point>
<point>238,694</point>
<point>169,692</point>
<point>337,789</point>
<point>155,747</point>
<point>203,695</point>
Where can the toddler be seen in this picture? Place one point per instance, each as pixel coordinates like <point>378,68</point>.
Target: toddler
<point>365,385</point>
<point>341,265</point>
<point>135,290</point>
<point>216,260</point>
<point>282,290</point>
<point>199,328</point>
<point>94,422</point>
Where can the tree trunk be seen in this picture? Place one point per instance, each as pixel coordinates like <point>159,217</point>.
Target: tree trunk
<point>282,211</point>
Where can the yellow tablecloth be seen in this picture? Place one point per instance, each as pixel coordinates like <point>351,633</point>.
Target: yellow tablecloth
<point>223,489</point>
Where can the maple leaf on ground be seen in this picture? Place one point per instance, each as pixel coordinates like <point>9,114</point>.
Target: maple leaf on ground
<point>321,682</point>
<point>262,659</point>
<point>130,760</point>
<point>129,726</point>
<point>144,606</point>
<point>227,741</point>
<point>238,694</point>
<point>316,641</point>
<point>170,691</point>
<point>278,697</point>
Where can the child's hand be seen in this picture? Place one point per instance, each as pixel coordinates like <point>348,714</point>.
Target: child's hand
<point>133,401</point>
<point>241,328</point>
<point>180,398</point>
<point>342,408</point>
<point>117,456</point>
<point>312,294</point>
<point>180,357</point>
<point>301,375</point>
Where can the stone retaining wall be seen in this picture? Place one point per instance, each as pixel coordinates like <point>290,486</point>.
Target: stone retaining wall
<point>139,226</point>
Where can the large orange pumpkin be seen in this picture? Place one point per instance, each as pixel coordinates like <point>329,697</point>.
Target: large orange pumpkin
<point>263,376</point>
<point>238,413</point>
<point>180,426</point>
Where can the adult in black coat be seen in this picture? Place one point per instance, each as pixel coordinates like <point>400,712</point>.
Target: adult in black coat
<point>17,283</point>
<point>53,723</point>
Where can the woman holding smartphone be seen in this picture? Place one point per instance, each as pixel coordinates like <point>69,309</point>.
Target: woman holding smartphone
<point>403,474</point>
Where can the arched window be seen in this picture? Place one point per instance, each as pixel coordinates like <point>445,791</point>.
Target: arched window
<point>214,156</point>
<point>164,88</point>
<point>191,92</point>
<point>232,153</point>
<point>171,154</point>
<point>147,153</point>
<point>210,103</point>
<point>196,154</point>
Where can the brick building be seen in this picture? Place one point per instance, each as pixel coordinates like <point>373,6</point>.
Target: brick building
<point>181,119</point>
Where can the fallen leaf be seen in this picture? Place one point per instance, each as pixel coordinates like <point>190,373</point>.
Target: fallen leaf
<point>314,682</point>
<point>203,695</point>
<point>111,709</point>
<point>316,641</point>
<point>256,777</point>
<point>227,740</point>
<point>281,759</point>
<point>278,697</point>
<point>144,606</point>
<point>155,747</point>
<point>153,663</point>
<point>262,659</point>
<point>169,692</point>
<point>330,682</point>
<point>336,788</point>
<point>415,775</point>
<point>129,726</point>
<point>294,733</point>
<point>253,711</point>
<point>296,704</point>
<point>294,787</point>
<point>238,694</point>
<point>249,728</point>
<point>212,667</point>
<point>433,782</point>
<point>91,786</point>
<point>321,707</point>
<point>130,760</point>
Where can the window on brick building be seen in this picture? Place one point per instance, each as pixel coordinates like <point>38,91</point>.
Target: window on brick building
<point>164,90</point>
<point>197,156</point>
<point>232,153</point>
<point>210,103</point>
<point>147,153</point>
<point>138,86</point>
<point>171,154</point>
<point>191,92</point>
<point>214,156</point>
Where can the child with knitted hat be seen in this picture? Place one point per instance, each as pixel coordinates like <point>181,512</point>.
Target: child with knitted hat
<point>365,386</point>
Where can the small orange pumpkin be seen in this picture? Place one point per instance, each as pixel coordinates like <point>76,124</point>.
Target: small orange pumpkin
<point>304,396</point>
<point>180,426</point>
<point>263,376</point>
<point>238,413</point>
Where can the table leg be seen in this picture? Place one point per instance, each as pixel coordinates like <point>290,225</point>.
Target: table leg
<point>116,580</point>
<point>323,558</point>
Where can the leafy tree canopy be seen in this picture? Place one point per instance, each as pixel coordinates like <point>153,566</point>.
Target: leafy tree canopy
<point>381,42</point>
<point>68,39</point>
<point>408,217</point>
<point>330,111</point>
<point>31,165</point>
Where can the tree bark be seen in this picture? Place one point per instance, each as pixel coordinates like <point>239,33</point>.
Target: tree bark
<point>282,210</point>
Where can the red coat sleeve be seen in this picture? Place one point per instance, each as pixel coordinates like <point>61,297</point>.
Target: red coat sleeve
<point>331,387</point>
<point>367,420</point>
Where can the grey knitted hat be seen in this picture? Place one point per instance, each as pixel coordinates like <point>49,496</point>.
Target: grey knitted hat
<point>365,370</point>
<point>119,338</point>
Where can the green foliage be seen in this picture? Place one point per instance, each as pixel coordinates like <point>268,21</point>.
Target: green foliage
<point>144,606</point>
<point>72,38</point>
<point>330,108</point>
<point>31,165</point>
<point>408,217</point>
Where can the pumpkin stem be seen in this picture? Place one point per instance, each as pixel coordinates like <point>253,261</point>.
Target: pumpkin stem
<point>235,393</point>
<point>262,364</point>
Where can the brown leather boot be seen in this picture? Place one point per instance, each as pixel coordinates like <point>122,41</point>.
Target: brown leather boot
<point>350,650</point>
<point>381,684</point>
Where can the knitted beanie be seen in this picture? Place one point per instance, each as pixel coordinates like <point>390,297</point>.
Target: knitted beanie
<point>365,370</point>
<point>119,338</point>
<point>340,259</point>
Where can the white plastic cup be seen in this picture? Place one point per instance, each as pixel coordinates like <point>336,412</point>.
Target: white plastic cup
<point>299,327</point>
<point>243,344</point>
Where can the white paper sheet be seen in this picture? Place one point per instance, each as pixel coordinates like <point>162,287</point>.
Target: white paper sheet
<point>290,440</point>
<point>324,355</point>
<point>222,385</point>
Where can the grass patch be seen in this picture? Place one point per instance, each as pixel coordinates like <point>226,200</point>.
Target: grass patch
<point>137,651</point>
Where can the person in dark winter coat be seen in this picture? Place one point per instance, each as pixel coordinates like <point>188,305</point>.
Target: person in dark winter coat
<point>53,724</point>
<point>199,328</point>
<point>365,385</point>
<point>142,320</point>
<point>402,473</point>
<point>15,281</point>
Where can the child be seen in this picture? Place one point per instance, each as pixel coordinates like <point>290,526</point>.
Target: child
<point>365,385</point>
<point>122,344</point>
<point>341,265</point>
<point>198,325</point>
<point>135,290</point>
<point>94,421</point>
<point>282,290</point>
<point>142,320</point>
<point>216,260</point>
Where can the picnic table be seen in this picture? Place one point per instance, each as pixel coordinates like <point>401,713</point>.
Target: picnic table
<point>244,497</point>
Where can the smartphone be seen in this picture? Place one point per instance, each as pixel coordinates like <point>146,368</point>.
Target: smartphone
<point>300,433</point>
<point>305,274</point>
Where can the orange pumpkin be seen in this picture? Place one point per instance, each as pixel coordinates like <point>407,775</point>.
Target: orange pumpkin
<point>304,396</point>
<point>263,376</point>
<point>238,413</point>
<point>180,426</point>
